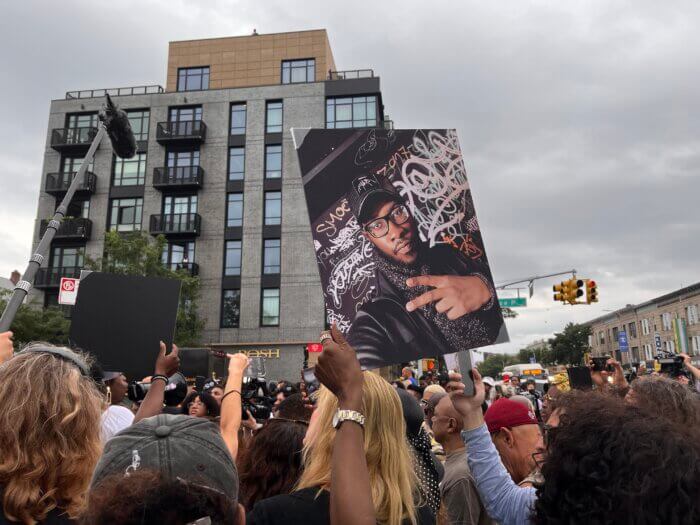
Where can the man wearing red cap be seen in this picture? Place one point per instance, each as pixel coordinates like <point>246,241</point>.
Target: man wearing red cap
<point>516,435</point>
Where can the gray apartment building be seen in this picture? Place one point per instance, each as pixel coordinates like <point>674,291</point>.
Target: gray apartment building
<point>216,173</point>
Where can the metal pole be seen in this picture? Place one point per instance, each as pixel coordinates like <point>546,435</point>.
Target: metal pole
<point>25,284</point>
<point>533,278</point>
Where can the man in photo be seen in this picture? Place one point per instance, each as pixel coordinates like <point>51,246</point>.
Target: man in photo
<point>426,298</point>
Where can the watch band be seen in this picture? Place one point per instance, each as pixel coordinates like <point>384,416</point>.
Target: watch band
<point>348,415</point>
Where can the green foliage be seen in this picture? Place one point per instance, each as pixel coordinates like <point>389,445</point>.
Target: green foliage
<point>33,323</point>
<point>569,346</point>
<point>137,253</point>
<point>493,365</point>
<point>543,355</point>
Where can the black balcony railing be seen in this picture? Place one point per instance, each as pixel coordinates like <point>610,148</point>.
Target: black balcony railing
<point>116,92</point>
<point>58,183</point>
<point>186,131</point>
<point>191,268</point>
<point>172,177</point>
<point>77,229</point>
<point>72,138</point>
<point>350,74</point>
<point>51,277</point>
<point>176,224</point>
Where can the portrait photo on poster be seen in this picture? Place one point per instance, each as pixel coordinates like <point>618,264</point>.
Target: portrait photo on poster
<point>400,253</point>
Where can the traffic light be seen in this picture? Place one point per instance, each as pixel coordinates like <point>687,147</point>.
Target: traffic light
<point>559,291</point>
<point>573,290</point>
<point>591,291</point>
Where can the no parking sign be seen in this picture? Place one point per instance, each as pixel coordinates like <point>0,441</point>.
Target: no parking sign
<point>68,292</point>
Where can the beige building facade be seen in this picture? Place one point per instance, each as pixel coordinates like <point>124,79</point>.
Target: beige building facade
<point>670,323</point>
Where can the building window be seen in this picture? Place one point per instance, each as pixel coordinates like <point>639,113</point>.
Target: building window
<point>125,215</point>
<point>176,255</point>
<point>70,166</point>
<point>231,309</point>
<point>695,344</point>
<point>77,208</point>
<point>184,160</point>
<point>614,334</point>
<point>298,71</point>
<point>139,121</point>
<point>236,163</point>
<point>273,208</point>
<point>692,313</point>
<point>271,256</point>
<point>81,120</point>
<point>232,265</point>
<point>351,112</point>
<point>273,161</point>
<point>238,118</point>
<point>666,320</point>
<point>67,257</point>
<point>234,210</point>
<point>601,338</point>
<point>645,326</point>
<point>633,330</point>
<point>670,346</point>
<point>185,114</point>
<point>193,78</point>
<point>273,120</point>
<point>270,307</point>
<point>129,172</point>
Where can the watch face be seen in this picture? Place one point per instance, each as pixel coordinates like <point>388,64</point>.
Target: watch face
<point>335,420</point>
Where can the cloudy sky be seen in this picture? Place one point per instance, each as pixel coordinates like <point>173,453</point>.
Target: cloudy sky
<point>579,120</point>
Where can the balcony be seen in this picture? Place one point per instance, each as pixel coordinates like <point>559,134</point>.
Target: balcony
<point>70,229</point>
<point>116,92</point>
<point>350,74</point>
<point>178,177</point>
<point>176,224</point>
<point>190,268</point>
<point>72,140</point>
<point>188,132</point>
<point>57,183</point>
<point>51,277</point>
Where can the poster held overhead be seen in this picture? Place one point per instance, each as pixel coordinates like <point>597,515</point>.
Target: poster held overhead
<point>400,253</point>
<point>121,319</point>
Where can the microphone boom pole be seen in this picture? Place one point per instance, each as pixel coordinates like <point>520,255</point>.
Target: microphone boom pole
<point>115,123</point>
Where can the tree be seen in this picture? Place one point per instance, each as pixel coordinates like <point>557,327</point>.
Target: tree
<point>33,323</point>
<point>495,363</point>
<point>543,355</point>
<point>137,253</point>
<point>569,346</point>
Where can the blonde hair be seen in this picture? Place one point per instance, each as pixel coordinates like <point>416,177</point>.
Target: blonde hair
<point>389,460</point>
<point>49,435</point>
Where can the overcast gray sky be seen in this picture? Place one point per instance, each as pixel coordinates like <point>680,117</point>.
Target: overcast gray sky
<point>579,121</point>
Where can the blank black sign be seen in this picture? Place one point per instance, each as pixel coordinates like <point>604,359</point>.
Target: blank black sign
<point>120,319</point>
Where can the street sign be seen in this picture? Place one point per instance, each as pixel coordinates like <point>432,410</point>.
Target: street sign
<point>622,340</point>
<point>512,302</point>
<point>68,291</point>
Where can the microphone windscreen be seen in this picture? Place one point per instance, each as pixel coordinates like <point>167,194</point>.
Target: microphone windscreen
<point>119,130</point>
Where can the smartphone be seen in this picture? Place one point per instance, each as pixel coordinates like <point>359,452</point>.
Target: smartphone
<point>600,364</point>
<point>580,377</point>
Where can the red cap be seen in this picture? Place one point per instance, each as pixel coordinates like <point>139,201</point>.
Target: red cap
<point>506,413</point>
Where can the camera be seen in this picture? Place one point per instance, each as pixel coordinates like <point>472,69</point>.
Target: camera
<point>600,364</point>
<point>256,398</point>
<point>671,364</point>
<point>175,390</point>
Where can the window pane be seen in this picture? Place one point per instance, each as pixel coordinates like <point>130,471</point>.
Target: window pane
<point>271,256</point>
<point>233,258</point>
<point>139,123</point>
<point>234,215</point>
<point>238,118</point>
<point>271,307</point>
<point>273,161</point>
<point>193,78</point>
<point>231,309</point>
<point>236,164</point>
<point>274,117</point>
<point>343,112</point>
<point>273,208</point>
<point>130,172</point>
<point>125,214</point>
<point>298,74</point>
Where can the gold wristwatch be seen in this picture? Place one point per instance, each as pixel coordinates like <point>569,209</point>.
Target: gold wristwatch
<point>348,415</point>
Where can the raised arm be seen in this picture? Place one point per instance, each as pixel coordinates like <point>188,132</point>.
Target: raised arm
<point>166,365</point>
<point>231,408</point>
<point>6,348</point>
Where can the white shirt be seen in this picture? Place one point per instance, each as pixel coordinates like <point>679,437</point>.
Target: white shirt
<point>115,419</point>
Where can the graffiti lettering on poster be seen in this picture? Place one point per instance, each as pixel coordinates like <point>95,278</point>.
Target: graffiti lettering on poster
<point>330,225</point>
<point>353,274</point>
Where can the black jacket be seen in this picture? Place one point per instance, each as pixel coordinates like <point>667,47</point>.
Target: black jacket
<point>384,332</point>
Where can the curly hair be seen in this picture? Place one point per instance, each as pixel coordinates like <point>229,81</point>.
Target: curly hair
<point>272,461</point>
<point>664,397</point>
<point>609,462</point>
<point>293,407</point>
<point>49,435</point>
<point>147,497</point>
<point>209,401</point>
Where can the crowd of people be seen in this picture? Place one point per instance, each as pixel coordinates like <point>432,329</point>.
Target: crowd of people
<point>350,449</point>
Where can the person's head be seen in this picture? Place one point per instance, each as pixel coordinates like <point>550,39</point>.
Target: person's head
<point>447,423</point>
<point>530,385</point>
<point>294,408</point>
<point>523,401</point>
<point>391,476</point>
<point>416,391</point>
<point>430,405</point>
<point>515,380</point>
<point>217,392</point>
<point>398,385</point>
<point>201,405</point>
<point>516,435</point>
<point>488,384</point>
<point>659,395</point>
<point>406,372</point>
<point>50,411</point>
<point>609,462</point>
<point>432,390</point>
<point>165,469</point>
<point>117,385</point>
<point>272,461</point>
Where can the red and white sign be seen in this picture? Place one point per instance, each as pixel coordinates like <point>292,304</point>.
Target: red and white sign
<point>68,292</point>
<point>314,347</point>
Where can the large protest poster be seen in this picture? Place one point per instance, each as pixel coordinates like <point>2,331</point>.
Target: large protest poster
<point>400,253</point>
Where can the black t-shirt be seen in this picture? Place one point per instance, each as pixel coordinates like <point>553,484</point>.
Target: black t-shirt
<point>304,507</point>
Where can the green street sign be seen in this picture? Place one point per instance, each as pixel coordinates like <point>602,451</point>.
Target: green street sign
<point>512,302</point>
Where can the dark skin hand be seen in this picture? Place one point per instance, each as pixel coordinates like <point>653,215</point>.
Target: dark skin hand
<point>339,370</point>
<point>166,365</point>
<point>454,295</point>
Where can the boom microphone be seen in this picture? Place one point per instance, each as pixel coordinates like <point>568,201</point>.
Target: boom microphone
<point>119,130</point>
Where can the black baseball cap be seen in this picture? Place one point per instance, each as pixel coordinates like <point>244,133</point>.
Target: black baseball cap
<point>366,191</point>
<point>184,448</point>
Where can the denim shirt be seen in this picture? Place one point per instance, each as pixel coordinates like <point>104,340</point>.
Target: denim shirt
<point>504,501</point>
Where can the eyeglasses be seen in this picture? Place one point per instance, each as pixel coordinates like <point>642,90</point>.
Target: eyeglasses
<point>379,227</point>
